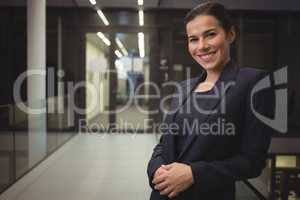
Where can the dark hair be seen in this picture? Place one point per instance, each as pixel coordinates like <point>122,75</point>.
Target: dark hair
<point>214,9</point>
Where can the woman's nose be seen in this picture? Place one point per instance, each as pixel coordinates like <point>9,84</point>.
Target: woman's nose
<point>203,45</point>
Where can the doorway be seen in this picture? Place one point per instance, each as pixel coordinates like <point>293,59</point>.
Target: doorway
<point>117,81</point>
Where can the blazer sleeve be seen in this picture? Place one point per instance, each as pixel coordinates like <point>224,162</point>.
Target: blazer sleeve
<point>250,160</point>
<point>156,159</point>
<point>155,162</point>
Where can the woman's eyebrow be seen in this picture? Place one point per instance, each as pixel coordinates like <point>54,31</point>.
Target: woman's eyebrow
<point>191,36</point>
<point>207,31</point>
<point>203,33</point>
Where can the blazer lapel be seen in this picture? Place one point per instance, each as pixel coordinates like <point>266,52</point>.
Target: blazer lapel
<point>228,74</point>
<point>184,93</point>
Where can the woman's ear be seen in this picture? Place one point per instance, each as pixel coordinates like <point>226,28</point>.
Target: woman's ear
<point>231,35</point>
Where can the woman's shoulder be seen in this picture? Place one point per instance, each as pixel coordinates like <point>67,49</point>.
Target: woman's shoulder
<point>251,72</point>
<point>248,74</point>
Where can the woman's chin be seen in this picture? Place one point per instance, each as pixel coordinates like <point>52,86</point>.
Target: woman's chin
<point>209,66</point>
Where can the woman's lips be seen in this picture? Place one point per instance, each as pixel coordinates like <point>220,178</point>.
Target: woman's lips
<point>207,56</point>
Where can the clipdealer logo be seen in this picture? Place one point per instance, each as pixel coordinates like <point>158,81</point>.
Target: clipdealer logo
<point>279,122</point>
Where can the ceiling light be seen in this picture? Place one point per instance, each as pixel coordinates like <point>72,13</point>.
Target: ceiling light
<point>118,53</point>
<point>93,2</point>
<point>141,43</point>
<point>121,46</point>
<point>103,38</point>
<point>103,18</point>
<point>140,2</point>
<point>141,17</point>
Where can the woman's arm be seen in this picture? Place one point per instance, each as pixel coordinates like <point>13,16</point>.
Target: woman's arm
<point>156,161</point>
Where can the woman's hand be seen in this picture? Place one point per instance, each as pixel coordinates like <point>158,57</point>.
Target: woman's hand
<point>159,171</point>
<point>173,178</point>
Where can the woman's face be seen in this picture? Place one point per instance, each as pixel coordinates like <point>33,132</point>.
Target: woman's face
<point>208,43</point>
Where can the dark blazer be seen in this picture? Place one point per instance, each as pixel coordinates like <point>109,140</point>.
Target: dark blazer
<point>217,161</point>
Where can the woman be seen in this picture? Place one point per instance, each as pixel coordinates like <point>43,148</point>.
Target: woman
<point>218,140</point>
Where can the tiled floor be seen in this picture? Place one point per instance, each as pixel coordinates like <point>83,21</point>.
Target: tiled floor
<point>95,167</point>
<point>90,167</point>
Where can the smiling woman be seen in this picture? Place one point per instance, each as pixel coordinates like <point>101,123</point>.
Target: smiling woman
<point>210,32</point>
<point>208,43</point>
<point>192,164</point>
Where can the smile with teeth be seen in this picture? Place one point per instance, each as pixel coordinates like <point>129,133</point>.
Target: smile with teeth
<point>206,57</point>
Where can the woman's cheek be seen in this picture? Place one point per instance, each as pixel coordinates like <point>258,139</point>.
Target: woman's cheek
<point>191,49</point>
<point>217,43</point>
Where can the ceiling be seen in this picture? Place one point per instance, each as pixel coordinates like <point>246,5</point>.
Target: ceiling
<point>287,5</point>
<point>86,3</point>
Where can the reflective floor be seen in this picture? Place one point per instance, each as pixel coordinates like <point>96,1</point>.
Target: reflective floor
<point>96,166</point>
<point>108,167</point>
<point>131,118</point>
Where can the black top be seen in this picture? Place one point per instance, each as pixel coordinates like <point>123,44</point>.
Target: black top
<point>198,103</point>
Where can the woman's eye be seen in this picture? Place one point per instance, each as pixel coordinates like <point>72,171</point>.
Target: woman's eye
<point>211,34</point>
<point>192,40</point>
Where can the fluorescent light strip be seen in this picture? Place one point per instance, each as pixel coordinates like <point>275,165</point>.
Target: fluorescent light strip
<point>103,38</point>
<point>93,2</point>
<point>103,18</point>
<point>141,17</point>
<point>140,2</point>
<point>124,51</point>
<point>141,40</point>
<point>118,53</point>
<point>121,46</point>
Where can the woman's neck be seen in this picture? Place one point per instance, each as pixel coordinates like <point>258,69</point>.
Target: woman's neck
<point>213,75</point>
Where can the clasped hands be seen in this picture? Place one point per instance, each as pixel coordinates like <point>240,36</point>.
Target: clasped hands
<point>172,179</point>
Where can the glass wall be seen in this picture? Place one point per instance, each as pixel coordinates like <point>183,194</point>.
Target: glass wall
<point>13,121</point>
<point>16,151</point>
<point>60,116</point>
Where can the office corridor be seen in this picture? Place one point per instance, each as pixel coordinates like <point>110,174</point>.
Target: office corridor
<point>102,167</point>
